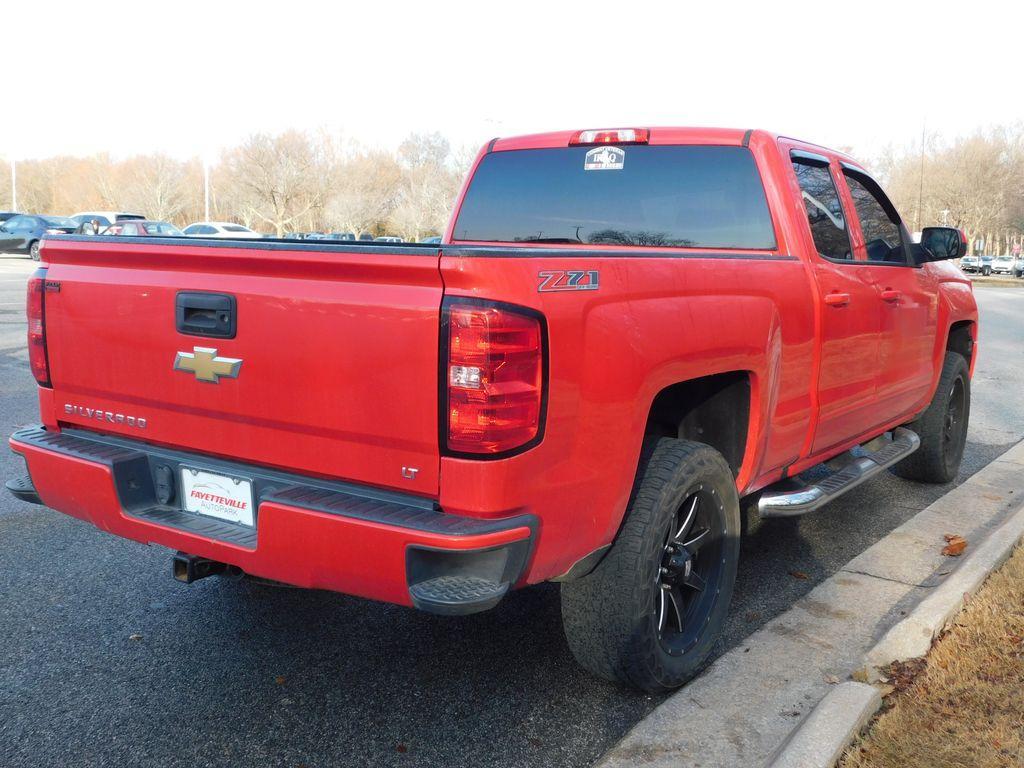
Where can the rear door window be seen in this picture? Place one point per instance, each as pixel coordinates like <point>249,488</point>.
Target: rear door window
<point>824,210</point>
<point>879,222</point>
<point>636,195</point>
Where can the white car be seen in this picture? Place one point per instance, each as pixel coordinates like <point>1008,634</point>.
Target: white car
<point>1003,265</point>
<point>220,229</point>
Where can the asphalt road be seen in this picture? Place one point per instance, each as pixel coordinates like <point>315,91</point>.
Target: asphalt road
<point>104,660</point>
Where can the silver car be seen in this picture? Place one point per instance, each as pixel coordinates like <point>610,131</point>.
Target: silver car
<point>982,264</point>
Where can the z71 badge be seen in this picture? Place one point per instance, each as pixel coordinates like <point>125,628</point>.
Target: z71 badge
<point>568,280</point>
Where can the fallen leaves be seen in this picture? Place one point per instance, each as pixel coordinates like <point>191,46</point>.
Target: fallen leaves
<point>955,545</point>
<point>135,637</point>
<point>799,575</point>
<point>901,674</point>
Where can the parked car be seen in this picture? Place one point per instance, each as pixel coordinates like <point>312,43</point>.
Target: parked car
<point>105,218</point>
<point>23,233</point>
<point>1003,265</point>
<point>346,236</point>
<point>389,239</point>
<point>143,228</point>
<point>977,264</point>
<point>1018,266</point>
<point>510,410</point>
<point>220,229</point>
<point>431,240</point>
<point>5,215</point>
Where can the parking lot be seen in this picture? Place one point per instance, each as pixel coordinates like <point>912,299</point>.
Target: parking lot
<point>106,660</point>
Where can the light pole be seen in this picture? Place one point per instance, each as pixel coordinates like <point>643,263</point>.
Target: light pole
<point>14,186</point>
<point>920,180</point>
<point>206,188</point>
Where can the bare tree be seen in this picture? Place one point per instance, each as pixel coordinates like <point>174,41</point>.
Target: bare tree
<point>156,184</point>
<point>275,180</point>
<point>973,183</point>
<point>362,193</point>
<point>427,188</point>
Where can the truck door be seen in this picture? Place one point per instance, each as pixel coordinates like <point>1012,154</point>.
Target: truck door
<point>907,297</point>
<point>848,311</point>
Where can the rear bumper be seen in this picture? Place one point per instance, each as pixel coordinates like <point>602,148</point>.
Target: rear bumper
<point>309,532</point>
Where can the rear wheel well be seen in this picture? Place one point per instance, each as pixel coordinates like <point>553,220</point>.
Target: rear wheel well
<point>714,410</point>
<point>960,340</point>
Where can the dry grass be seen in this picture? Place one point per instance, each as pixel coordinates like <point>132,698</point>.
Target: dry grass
<point>964,706</point>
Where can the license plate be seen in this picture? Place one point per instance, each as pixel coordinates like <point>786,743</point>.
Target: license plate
<point>226,498</point>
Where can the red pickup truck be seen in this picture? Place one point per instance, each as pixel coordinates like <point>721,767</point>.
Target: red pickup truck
<point>622,335</point>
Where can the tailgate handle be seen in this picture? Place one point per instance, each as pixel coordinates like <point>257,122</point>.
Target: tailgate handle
<point>206,314</point>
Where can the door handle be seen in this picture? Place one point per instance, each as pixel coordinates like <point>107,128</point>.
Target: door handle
<point>890,295</point>
<point>836,299</point>
<point>206,314</point>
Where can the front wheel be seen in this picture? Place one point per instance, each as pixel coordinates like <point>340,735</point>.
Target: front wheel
<point>942,427</point>
<point>650,613</point>
<point>33,250</point>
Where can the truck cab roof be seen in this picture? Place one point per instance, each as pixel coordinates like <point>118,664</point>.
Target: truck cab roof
<point>661,135</point>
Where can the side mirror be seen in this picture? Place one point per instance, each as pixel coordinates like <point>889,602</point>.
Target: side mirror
<point>943,243</point>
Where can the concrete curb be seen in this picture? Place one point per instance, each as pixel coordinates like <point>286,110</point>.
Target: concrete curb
<point>751,700</point>
<point>821,738</point>
<point>912,637</point>
<point>830,727</point>
<point>1014,282</point>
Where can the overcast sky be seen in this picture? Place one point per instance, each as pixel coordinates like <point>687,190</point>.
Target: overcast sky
<point>189,78</point>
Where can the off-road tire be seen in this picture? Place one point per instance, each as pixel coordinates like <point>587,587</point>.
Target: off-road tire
<point>942,443</point>
<point>610,615</point>
<point>33,250</point>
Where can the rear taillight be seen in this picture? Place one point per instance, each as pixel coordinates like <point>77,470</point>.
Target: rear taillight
<point>35,308</point>
<point>493,378</point>
<point>612,136</point>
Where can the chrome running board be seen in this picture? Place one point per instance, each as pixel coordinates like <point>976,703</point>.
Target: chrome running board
<point>863,463</point>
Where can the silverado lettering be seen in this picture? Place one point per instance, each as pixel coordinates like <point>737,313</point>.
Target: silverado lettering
<point>436,425</point>
<point>101,415</point>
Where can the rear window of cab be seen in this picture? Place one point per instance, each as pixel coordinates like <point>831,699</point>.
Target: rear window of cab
<point>637,195</point>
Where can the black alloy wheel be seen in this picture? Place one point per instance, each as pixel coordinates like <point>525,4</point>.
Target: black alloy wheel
<point>691,571</point>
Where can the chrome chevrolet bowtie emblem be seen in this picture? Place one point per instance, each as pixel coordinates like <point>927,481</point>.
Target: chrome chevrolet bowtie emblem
<point>204,363</point>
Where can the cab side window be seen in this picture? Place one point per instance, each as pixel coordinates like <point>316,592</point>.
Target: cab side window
<point>824,211</point>
<point>878,221</point>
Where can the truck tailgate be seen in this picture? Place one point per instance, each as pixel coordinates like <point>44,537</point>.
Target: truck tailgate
<point>338,348</point>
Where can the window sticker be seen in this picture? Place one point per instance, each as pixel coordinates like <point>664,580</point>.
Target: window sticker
<point>604,159</point>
